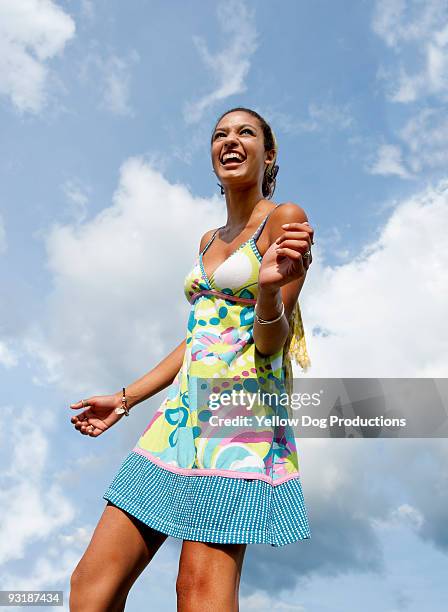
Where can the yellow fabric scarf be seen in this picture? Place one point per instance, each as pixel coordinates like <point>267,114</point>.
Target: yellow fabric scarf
<point>295,348</point>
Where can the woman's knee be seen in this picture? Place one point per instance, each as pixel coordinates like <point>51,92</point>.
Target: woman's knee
<point>209,574</point>
<point>196,589</point>
<point>193,578</point>
<point>78,580</point>
<point>95,594</point>
<point>79,592</point>
<point>86,593</point>
<point>120,549</point>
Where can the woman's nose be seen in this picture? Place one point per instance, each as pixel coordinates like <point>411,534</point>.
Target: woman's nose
<point>230,138</point>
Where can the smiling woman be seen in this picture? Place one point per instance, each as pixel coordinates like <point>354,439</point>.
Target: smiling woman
<point>269,142</point>
<point>217,488</point>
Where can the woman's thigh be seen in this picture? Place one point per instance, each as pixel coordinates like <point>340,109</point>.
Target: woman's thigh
<point>120,549</point>
<point>209,576</point>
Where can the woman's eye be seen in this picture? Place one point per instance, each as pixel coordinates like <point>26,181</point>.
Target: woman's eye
<point>248,130</point>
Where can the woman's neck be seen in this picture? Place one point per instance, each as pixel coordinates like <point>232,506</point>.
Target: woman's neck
<point>240,206</point>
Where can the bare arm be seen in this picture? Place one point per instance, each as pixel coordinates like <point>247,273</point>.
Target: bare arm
<point>269,339</point>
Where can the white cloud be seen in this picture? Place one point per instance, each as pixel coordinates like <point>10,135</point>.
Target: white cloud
<point>417,34</point>
<point>31,33</point>
<point>389,162</point>
<point>322,116</point>
<point>41,543</point>
<point>261,601</point>
<point>117,79</point>
<point>118,297</point>
<point>323,113</point>
<point>333,240</point>
<point>423,147</point>
<point>8,358</point>
<point>77,195</point>
<point>73,474</point>
<point>31,506</point>
<point>50,571</point>
<point>405,21</point>
<point>422,28</point>
<point>385,311</point>
<point>408,515</point>
<point>357,492</point>
<point>111,75</point>
<point>230,66</point>
<point>426,138</point>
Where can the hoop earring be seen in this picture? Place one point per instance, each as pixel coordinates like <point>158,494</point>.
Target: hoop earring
<point>221,187</point>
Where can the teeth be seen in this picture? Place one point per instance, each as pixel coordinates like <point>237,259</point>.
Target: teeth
<point>232,155</point>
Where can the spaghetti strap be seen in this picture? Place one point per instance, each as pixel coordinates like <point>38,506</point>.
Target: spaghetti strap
<point>210,241</point>
<point>253,237</point>
<point>262,224</point>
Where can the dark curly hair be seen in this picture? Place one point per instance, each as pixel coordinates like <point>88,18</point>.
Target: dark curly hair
<point>269,179</point>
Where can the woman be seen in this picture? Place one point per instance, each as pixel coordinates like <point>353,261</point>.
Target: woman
<point>214,490</point>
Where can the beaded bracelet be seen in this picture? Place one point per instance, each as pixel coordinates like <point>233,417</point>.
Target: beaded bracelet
<point>124,406</point>
<point>264,321</point>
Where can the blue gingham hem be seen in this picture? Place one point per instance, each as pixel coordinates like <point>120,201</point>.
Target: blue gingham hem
<point>215,509</point>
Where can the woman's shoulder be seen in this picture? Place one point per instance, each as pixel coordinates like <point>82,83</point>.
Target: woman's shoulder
<point>205,238</point>
<point>288,212</point>
<point>285,212</point>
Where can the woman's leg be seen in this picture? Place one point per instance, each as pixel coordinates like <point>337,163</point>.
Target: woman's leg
<point>209,576</point>
<point>120,549</point>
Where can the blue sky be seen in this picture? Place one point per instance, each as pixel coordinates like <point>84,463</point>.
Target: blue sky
<point>106,188</point>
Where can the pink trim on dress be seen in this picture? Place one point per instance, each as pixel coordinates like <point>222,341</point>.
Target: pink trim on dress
<point>213,472</point>
<point>233,298</point>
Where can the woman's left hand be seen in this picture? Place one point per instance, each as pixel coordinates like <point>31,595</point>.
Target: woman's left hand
<point>283,262</point>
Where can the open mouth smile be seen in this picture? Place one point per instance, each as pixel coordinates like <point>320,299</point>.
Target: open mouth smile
<point>231,158</point>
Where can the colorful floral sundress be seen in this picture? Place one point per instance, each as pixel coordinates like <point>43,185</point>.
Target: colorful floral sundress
<point>241,484</point>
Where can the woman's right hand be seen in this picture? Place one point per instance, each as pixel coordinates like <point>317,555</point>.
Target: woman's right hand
<point>98,415</point>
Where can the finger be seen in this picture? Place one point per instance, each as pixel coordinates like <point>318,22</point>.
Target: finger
<point>79,404</point>
<point>295,236</point>
<point>305,226</point>
<point>298,226</point>
<point>81,426</point>
<point>301,245</point>
<point>312,232</point>
<point>298,235</point>
<point>85,428</point>
<point>289,253</point>
<point>92,430</point>
<point>79,418</point>
<point>292,267</point>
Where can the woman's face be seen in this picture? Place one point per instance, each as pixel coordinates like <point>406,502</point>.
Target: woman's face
<point>238,155</point>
